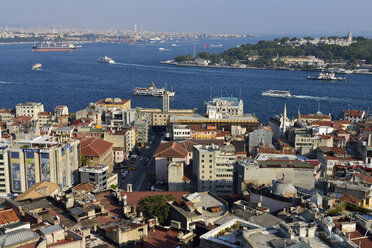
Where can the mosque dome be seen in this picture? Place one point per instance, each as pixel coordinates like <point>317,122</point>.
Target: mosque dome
<point>284,188</point>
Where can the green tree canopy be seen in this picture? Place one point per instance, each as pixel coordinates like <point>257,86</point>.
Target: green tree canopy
<point>156,205</point>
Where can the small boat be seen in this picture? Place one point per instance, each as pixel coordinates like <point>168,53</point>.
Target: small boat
<point>36,66</point>
<point>161,49</point>
<point>106,60</point>
<point>277,93</point>
<point>327,77</point>
<point>218,45</point>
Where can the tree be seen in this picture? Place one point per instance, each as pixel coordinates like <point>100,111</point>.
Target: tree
<point>183,58</point>
<point>114,186</point>
<point>84,160</point>
<point>156,205</point>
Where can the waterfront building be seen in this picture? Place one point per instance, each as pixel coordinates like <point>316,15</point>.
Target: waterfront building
<point>248,121</point>
<point>31,109</point>
<point>113,104</point>
<point>354,115</point>
<point>224,106</point>
<point>213,168</point>
<point>5,115</point>
<point>39,159</point>
<point>60,110</point>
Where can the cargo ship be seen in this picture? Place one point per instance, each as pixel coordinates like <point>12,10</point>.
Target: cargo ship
<point>53,47</point>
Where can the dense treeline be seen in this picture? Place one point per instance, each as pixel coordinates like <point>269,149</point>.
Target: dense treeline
<point>359,50</point>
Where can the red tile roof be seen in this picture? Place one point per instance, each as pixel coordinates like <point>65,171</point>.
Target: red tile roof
<point>94,147</point>
<point>81,122</point>
<point>85,186</point>
<point>354,112</point>
<point>8,216</point>
<point>170,150</point>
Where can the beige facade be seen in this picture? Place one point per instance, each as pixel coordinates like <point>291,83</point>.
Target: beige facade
<point>31,109</point>
<point>123,233</point>
<point>213,168</point>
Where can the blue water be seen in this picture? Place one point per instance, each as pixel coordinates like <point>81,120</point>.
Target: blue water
<point>77,79</point>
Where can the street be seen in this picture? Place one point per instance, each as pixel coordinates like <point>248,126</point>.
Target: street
<point>138,177</point>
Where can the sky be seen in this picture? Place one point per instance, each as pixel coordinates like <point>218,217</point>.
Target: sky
<point>217,16</point>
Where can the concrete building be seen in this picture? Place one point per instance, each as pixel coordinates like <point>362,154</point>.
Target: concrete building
<point>259,137</point>
<point>248,171</point>
<point>96,174</point>
<point>181,132</point>
<point>179,177</point>
<point>42,159</point>
<point>198,206</point>
<point>109,104</point>
<point>165,154</point>
<point>213,168</point>
<point>60,110</point>
<point>166,102</point>
<point>5,185</point>
<point>224,106</point>
<point>44,118</point>
<point>5,115</point>
<point>124,232</point>
<point>31,109</point>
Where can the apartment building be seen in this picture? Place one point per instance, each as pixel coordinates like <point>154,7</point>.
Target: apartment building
<point>33,160</point>
<point>213,167</point>
<point>224,106</point>
<point>31,109</point>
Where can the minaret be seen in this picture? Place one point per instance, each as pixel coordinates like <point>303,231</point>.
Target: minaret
<point>285,119</point>
<point>298,115</point>
<point>349,37</point>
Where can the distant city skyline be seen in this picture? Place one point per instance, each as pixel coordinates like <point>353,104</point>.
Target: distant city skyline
<point>217,16</point>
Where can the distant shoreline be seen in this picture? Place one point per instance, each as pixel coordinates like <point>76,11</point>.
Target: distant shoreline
<point>248,67</point>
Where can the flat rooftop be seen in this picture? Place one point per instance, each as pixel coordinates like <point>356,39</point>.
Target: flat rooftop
<point>202,119</point>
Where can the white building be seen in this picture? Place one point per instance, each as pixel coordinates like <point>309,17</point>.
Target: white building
<point>181,132</point>
<point>60,110</point>
<point>213,167</point>
<point>280,124</point>
<point>31,109</point>
<point>224,106</point>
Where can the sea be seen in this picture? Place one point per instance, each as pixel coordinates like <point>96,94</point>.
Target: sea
<point>76,79</point>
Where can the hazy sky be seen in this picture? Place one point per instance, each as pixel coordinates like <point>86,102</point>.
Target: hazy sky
<point>225,16</point>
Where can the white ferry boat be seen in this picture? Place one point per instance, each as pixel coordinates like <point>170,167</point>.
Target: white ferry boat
<point>36,66</point>
<point>327,77</point>
<point>277,93</point>
<point>151,91</point>
<point>106,60</point>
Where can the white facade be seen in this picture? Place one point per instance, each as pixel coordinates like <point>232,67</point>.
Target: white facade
<point>31,109</point>
<point>224,106</point>
<point>181,132</point>
<point>60,110</point>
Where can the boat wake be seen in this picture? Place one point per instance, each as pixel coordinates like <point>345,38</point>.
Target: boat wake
<point>321,98</point>
<point>3,82</point>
